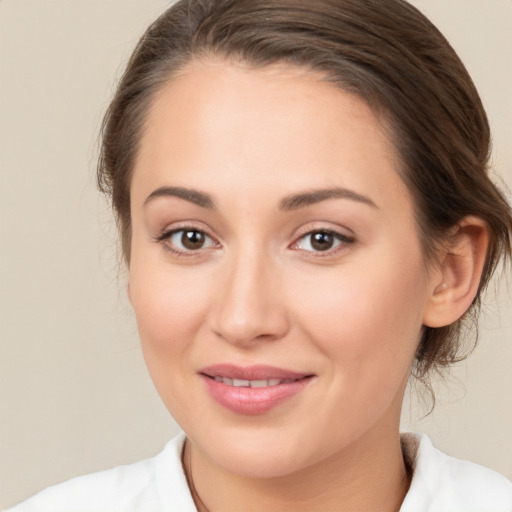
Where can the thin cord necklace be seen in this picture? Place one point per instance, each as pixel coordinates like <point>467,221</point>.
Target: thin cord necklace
<point>198,502</point>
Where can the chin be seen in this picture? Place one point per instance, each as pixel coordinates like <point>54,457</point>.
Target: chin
<point>257,463</point>
<point>257,453</point>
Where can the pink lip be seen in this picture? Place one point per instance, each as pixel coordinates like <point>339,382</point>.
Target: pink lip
<point>252,401</point>
<point>255,372</point>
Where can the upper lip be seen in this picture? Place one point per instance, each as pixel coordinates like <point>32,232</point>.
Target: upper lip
<point>254,372</point>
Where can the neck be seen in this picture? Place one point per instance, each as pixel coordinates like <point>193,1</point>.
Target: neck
<point>368,475</point>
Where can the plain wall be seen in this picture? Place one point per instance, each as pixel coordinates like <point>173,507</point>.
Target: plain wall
<point>75,396</point>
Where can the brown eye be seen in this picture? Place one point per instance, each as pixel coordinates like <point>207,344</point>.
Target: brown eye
<point>322,241</point>
<point>192,240</point>
<point>187,240</point>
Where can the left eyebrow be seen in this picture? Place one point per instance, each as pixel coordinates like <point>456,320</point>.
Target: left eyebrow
<point>308,198</point>
<point>188,194</point>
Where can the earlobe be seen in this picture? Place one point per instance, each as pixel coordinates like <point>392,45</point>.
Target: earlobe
<point>456,282</point>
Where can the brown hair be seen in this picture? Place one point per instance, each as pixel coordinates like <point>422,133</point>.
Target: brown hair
<point>387,53</point>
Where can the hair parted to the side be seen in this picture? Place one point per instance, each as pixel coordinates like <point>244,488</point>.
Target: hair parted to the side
<point>389,55</point>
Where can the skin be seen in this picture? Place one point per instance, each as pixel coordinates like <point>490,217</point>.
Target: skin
<point>257,292</point>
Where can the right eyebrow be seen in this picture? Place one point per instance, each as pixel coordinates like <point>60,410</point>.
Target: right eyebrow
<point>188,194</point>
<point>308,198</point>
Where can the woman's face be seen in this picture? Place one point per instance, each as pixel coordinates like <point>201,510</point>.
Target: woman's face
<point>276,272</point>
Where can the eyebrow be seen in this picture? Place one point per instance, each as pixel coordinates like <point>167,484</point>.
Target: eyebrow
<point>293,202</point>
<point>193,196</point>
<point>304,199</point>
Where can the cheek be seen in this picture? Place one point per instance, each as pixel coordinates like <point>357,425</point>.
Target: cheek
<point>162,298</point>
<point>367,317</point>
<point>169,306</point>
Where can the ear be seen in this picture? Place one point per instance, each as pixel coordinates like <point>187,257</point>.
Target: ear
<point>454,284</point>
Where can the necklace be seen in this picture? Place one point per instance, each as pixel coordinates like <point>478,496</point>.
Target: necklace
<point>187,467</point>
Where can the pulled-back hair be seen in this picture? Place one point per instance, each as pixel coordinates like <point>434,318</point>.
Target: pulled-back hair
<point>385,52</point>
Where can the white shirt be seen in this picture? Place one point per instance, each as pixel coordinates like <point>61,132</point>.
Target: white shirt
<point>440,484</point>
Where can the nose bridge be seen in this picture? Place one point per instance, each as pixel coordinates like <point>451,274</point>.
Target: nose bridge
<point>248,305</point>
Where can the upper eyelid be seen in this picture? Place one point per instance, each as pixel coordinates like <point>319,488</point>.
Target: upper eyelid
<point>325,230</point>
<point>172,231</point>
<point>184,226</point>
<point>336,234</point>
<point>308,230</point>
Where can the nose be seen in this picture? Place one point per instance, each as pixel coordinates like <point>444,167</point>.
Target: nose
<point>248,306</point>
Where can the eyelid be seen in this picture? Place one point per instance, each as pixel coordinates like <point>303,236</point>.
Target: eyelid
<point>344,239</point>
<point>165,235</point>
<point>190,225</point>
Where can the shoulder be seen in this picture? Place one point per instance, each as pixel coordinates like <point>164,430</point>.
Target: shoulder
<point>114,489</point>
<point>441,482</point>
<point>128,488</point>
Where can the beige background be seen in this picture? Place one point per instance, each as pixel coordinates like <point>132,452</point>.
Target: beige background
<point>74,394</point>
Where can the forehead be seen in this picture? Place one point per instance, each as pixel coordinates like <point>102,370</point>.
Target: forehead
<point>230,125</point>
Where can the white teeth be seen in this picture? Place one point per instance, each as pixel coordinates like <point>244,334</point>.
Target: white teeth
<point>238,383</point>
<point>260,383</point>
<point>244,383</point>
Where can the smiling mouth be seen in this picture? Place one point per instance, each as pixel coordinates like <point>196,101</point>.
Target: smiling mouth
<point>253,390</point>
<point>255,376</point>
<point>256,395</point>
<point>260,383</point>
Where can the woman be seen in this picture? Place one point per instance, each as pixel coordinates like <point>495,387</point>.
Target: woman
<point>304,209</point>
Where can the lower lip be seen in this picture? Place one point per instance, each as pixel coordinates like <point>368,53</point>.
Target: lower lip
<point>246,400</point>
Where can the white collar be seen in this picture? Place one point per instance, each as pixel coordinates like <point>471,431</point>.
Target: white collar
<point>440,483</point>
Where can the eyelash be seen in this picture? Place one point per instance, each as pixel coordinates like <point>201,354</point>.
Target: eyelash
<point>343,242</point>
<point>165,237</point>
